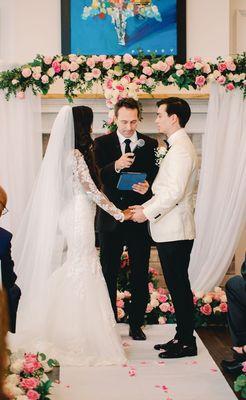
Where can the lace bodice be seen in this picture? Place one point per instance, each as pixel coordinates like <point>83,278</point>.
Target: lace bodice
<point>82,172</point>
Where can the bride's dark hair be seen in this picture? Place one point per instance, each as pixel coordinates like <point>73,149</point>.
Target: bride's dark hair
<point>83,118</point>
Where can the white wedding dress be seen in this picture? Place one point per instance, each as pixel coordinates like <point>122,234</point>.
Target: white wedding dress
<point>73,321</point>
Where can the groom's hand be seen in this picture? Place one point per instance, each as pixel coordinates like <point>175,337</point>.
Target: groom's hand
<point>141,187</point>
<point>125,161</point>
<point>138,215</point>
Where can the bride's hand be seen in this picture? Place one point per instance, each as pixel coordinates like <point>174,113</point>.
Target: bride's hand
<point>127,214</point>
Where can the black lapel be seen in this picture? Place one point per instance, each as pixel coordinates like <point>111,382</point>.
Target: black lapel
<point>116,149</point>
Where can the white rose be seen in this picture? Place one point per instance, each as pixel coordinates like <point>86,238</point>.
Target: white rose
<point>211,78</point>
<point>22,397</point>
<point>242,76</point>
<point>12,391</point>
<point>88,76</point>
<point>154,295</point>
<point>17,366</point>
<point>199,295</point>
<point>236,78</point>
<point>223,299</point>
<point>216,74</point>
<point>15,81</point>
<point>51,72</point>
<point>13,378</point>
<point>207,299</point>
<point>216,309</point>
<point>179,72</point>
<point>66,75</point>
<point>217,289</point>
<point>154,303</point>
<point>171,79</point>
<point>198,66</point>
<point>178,66</point>
<point>230,76</point>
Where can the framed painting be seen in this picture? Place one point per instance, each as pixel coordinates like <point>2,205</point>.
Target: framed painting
<point>124,26</point>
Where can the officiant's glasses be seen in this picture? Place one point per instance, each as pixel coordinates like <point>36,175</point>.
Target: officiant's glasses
<point>5,210</point>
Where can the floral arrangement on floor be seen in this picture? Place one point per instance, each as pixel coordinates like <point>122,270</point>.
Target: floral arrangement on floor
<point>240,383</point>
<point>121,76</point>
<point>120,11</point>
<point>26,376</point>
<point>210,308</point>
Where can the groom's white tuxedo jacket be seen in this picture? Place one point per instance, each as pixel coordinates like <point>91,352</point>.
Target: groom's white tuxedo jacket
<point>171,210</point>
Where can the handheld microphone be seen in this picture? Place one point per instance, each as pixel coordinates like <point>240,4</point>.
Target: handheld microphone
<point>140,143</point>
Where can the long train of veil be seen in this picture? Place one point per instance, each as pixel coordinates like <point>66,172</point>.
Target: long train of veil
<point>38,245</point>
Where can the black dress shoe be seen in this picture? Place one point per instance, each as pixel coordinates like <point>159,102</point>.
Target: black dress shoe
<point>179,351</point>
<point>233,367</point>
<point>137,334</point>
<point>165,346</point>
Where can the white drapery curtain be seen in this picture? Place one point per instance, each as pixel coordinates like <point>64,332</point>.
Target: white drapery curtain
<point>20,152</point>
<point>221,202</point>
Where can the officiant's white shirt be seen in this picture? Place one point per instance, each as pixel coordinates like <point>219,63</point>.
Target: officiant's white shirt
<point>171,210</point>
<point>133,139</point>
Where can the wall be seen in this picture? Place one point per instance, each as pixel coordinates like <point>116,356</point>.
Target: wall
<point>32,26</point>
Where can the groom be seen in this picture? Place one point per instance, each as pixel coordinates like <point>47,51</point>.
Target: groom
<point>115,153</point>
<point>170,215</point>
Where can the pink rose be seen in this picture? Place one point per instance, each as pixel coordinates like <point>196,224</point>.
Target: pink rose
<point>195,300</point>
<point>48,60</point>
<point>206,69</point>
<point>150,82</point>
<point>143,79</point>
<point>127,294</point>
<point>74,76</point>
<point>120,88</point>
<point>33,395</point>
<point>149,308</point>
<point>170,61</point>
<point>151,287</point>
<point>222,67</point>
<point>57,66</point>
<point>45,79</point>
<point>109,83</point>
<point>172,309</point>
<point>127,58</point>
<point>134,62</point>
<point>127,78</point>
<point>165,307</point>
<point>230,86</point>
<point>26,72</point>
<point>90,62</point>
<point>88,76</point>
<point>20,95</point>
<point>162,298</point>
<point>65,65</point>
<point>223,307</point>
<point>145,63</point>
<point>36,76</point>
<point>30,366</point>
<point>29,383</point>
<point>200,80</point>
<point>107,64</point>
<point>244,366</point>
<point>221,79</point>
<point>197,59</point>
<point>102,58</point>
<point>31,357</point>
<point>74,66</point>
<point>179,72</point>
<point>120,303</point>
<point>96,73</point>
<point>117,59</point>
<point>72,57</point>
<point>148,71</point>
<point>206,309</point>
<point>162,320</point>
<point>231,66</point>
<point>189,65</point>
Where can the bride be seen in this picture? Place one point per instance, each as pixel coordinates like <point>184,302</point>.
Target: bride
<point>65,309</point>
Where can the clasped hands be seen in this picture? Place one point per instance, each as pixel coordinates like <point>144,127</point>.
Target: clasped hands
<point>134,213</point>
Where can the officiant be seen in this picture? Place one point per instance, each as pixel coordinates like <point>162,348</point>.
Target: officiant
<point>126,150</point>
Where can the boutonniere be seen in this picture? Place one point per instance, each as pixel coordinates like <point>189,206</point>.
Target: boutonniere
<point>160,153</point>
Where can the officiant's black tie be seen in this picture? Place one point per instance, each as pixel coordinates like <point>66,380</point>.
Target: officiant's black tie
<point>167,144</point>
<point>128,147</point>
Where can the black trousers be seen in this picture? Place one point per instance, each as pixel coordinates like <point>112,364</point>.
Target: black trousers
<point>175,258</point>
<point>236,297</point>
<point>136,238</point>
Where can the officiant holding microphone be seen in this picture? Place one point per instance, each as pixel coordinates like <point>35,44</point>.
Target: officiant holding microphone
<point>126,150</point>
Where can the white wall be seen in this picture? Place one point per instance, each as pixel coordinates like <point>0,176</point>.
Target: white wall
<point>238,26</point>
<point>28,27</point>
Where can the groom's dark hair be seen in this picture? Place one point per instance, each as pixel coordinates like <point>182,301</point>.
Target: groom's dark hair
<point>177,106</point>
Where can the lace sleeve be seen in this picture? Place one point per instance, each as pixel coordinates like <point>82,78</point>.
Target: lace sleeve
<point>92,191</point>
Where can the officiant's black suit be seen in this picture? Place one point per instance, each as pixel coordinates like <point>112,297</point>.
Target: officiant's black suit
<point>114,235</point>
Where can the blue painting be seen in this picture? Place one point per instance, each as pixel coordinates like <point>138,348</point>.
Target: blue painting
<point>123,26</point>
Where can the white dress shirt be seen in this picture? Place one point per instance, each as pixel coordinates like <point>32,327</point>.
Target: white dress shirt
<point>133,139</point>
